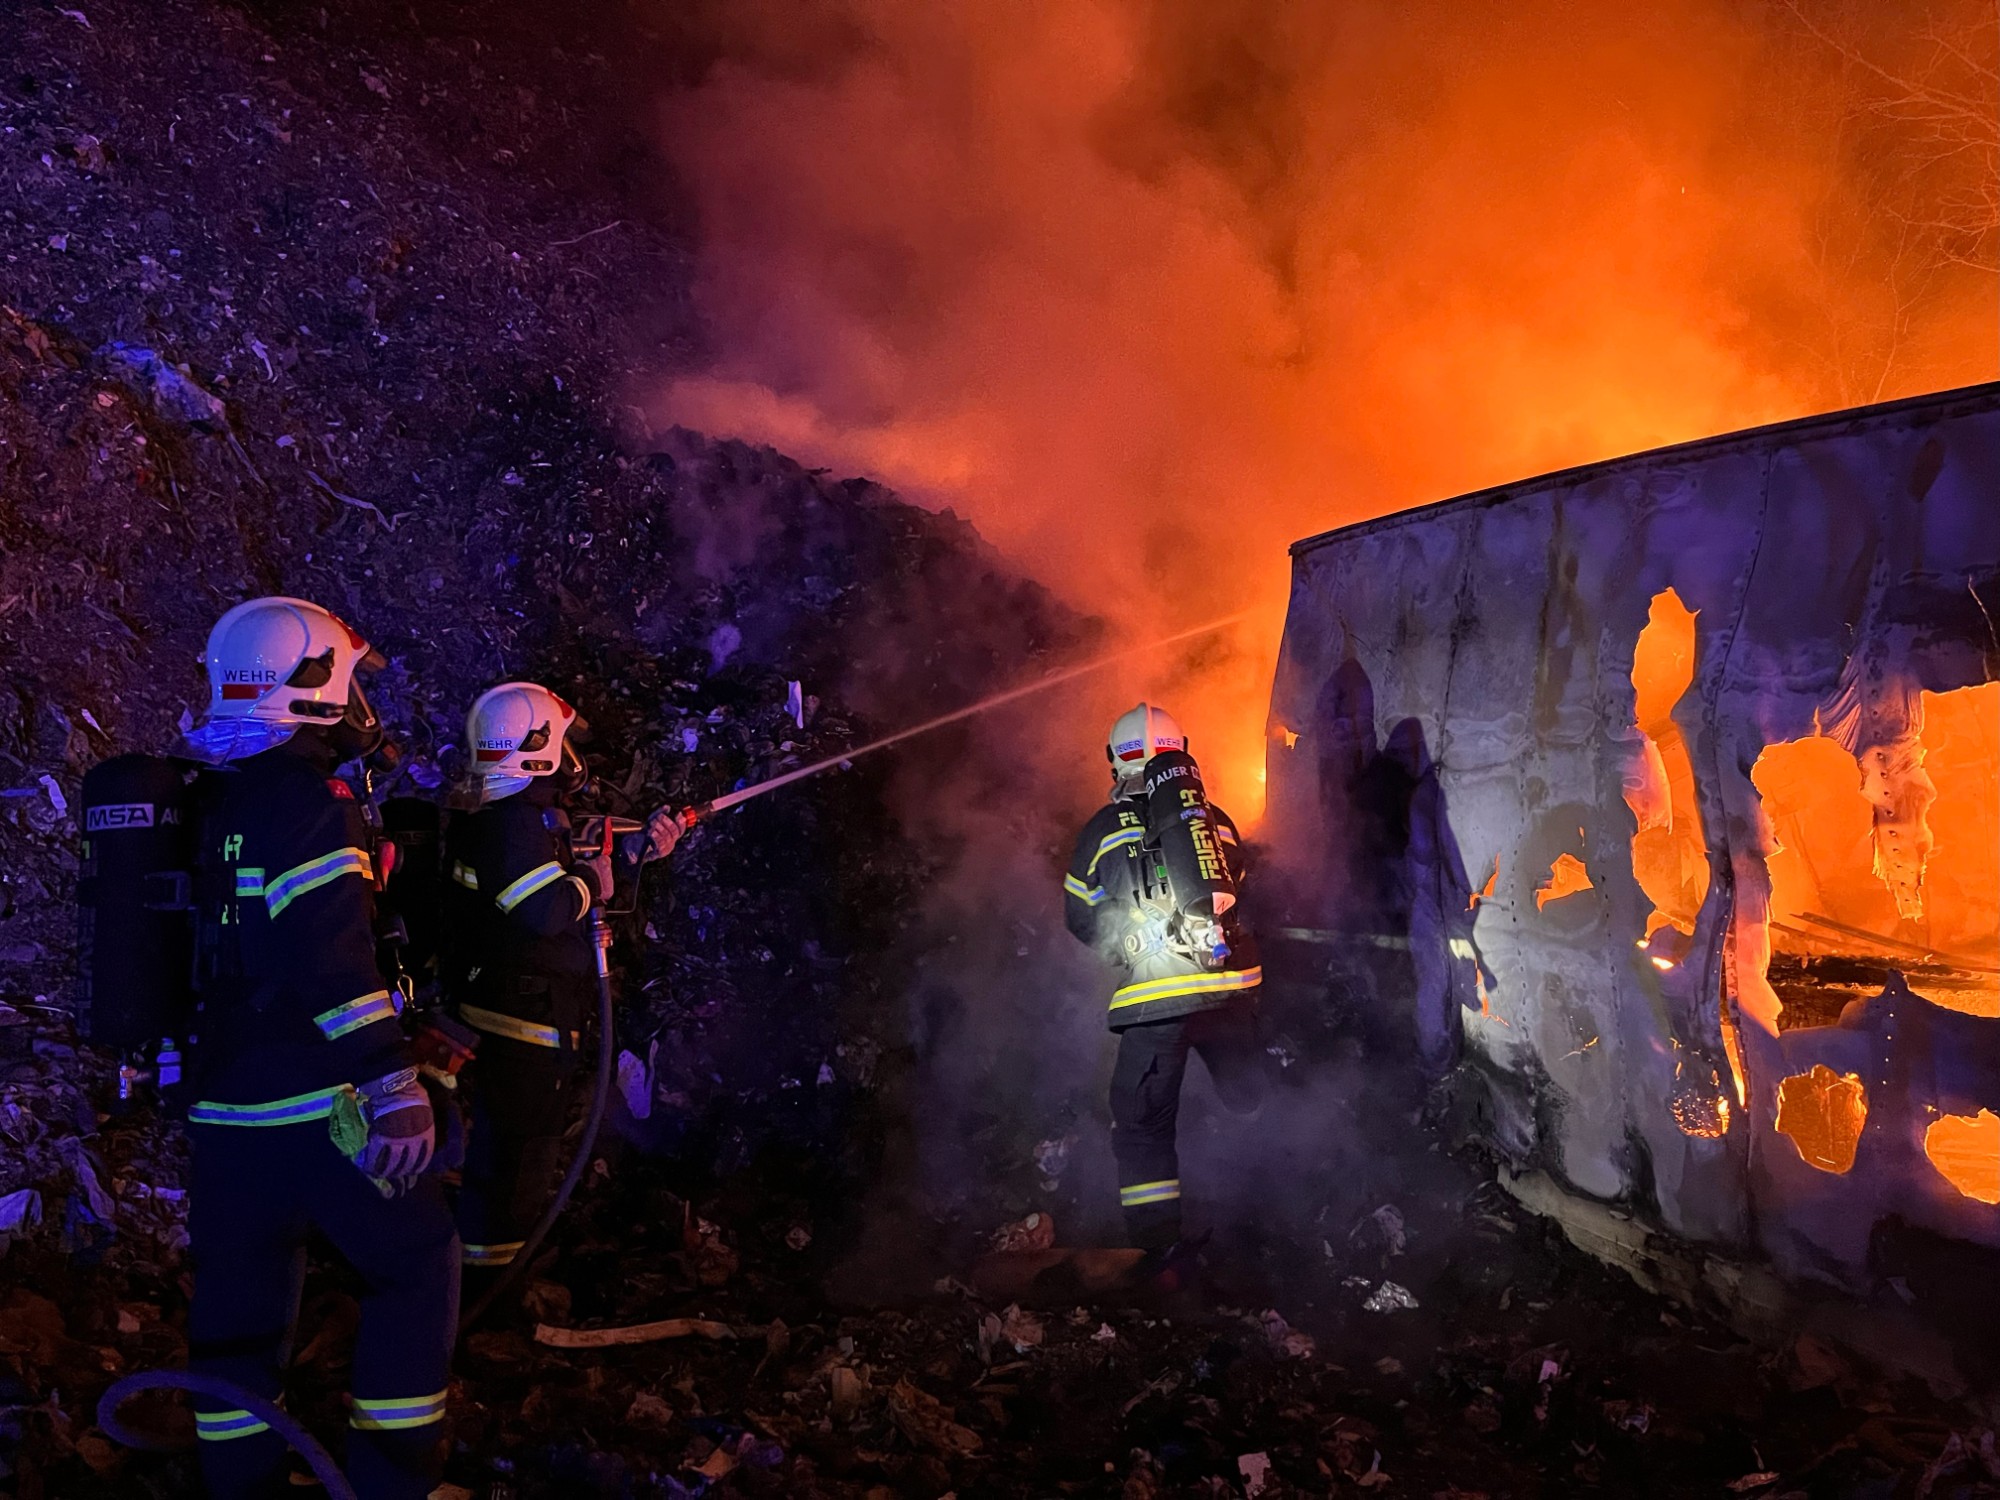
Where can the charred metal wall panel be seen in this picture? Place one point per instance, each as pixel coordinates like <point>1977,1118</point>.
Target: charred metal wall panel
<point>1839,569</point>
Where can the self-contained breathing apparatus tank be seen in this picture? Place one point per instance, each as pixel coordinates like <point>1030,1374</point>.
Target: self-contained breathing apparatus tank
<point>412,887</point>
<point>1183,838</point>
<point>134,898</point>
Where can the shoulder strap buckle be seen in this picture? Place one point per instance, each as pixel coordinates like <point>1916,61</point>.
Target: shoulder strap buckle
<point>169,890</point>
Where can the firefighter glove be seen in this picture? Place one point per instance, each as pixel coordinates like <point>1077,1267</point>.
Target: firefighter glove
<point>596,868</point>
<point>402,1130</point>
<point>663,832</point>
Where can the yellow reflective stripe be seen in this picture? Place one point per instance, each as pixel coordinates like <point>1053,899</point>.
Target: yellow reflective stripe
<point>355,1014</point>
<point>1113,841</point>
<point>314,1106</point>
<point>537,878</point>
<point>314,873</point>
<point>512,1027</point>
<point>492,1255</point>
<point>1090,895</point>
<point>397,1412</point>
<point>1164,1191</point>
<point>1177,985</point>
<point>1224,832</point>
<point>249,880</point>
<point>221,1426</point>
<point>464,875</point>
<point>582,891</point>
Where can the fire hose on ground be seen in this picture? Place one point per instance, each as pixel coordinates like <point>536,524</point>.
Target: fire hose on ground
<point>600,1095</point>
<point>281,1421</point>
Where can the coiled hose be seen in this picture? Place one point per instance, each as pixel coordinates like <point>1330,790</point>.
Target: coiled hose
<point>282,1422</point>
<point>607,1047</point>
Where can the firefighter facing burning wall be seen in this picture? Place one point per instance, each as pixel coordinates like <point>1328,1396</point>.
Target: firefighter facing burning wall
<point>1152,887</point>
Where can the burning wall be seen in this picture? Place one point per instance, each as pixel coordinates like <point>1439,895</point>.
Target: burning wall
<point>1714,741</point>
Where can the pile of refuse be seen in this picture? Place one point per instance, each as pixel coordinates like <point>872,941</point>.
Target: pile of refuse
<point>360,319</point>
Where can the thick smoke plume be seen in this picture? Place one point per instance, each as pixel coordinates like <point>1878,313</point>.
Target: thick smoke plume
<point>1149,290</point>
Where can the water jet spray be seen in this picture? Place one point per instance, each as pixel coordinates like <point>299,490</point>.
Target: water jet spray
<point>743,794</point>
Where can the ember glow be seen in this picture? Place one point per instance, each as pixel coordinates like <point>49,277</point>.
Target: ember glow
<point>1669,853</point>
<point>1966,1151</point>
<point>1823,1113</point>
<point>1883,878</point>
<point>1149,291</point>
<point>1567,877</point>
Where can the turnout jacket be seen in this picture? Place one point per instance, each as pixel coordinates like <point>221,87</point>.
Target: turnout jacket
<point>520,961</point>
<point>292,1004</point>
<point>1113,900</point>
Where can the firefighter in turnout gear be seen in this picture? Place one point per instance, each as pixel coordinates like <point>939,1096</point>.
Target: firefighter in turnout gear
<point>307,1113</point>
<point>1152,888</point>
<point>520,968</point>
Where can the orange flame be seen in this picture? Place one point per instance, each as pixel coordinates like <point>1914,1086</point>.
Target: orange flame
<point>1150,291</point>
<point>1567,876</point>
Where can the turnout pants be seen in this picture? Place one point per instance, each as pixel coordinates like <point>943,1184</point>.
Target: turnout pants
<point>1146,1106</point>
<point>256,1192</point>
<point>521,1094</point>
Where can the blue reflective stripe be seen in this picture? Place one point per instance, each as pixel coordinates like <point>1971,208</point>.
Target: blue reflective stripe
<point>535,880</point>
<point>492,1255</point>
<point>336,1023</point>
<point>1113,841</point>
<point>1224,832</point>
<point>1141,1193</point>
<point>397,1412</point>
<point>250,880</point>
<point>1090,895</point>
<point>313,874</point>
<point>511,1027</point>
<point>314,1106</point>
<point>220,1426</point>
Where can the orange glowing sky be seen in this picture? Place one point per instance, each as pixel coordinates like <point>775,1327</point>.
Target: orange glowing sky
<point>1148,290</point>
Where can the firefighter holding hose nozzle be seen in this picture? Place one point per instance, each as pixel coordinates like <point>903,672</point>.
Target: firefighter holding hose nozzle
<point>520,964</point>
<point>301,1074</point>
<point>1152,887</point>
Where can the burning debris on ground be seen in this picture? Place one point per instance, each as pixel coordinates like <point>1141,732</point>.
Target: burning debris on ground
<point>354,307</point>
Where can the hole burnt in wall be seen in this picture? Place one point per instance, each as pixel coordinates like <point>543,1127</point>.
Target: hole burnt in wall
<point>1568,876</point>
<point>1962,878</point>
<point>1669,853</point>
<point>1845,916</point>
<point>1822,1113</point>
<point>1966,1151</point>
<point>1700,1106</point>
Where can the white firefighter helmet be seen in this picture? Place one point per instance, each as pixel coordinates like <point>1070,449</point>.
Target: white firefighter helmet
<point>284,662</point>
<point>516,733</point>
<point>1140,734</point>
